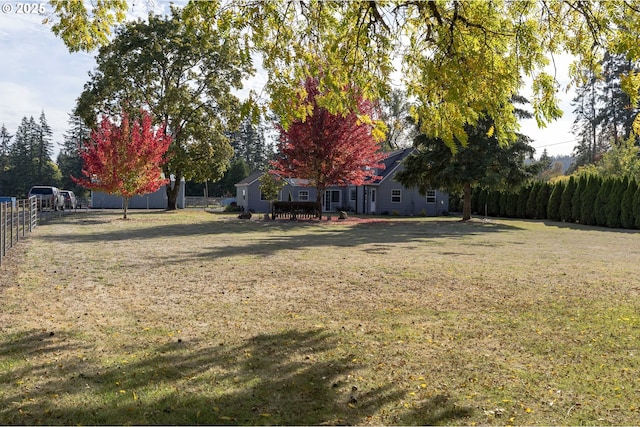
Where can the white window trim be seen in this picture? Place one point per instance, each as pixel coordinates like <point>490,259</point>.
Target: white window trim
<point>431,194</point>
<point>303,193</point>
<point>396,194</point>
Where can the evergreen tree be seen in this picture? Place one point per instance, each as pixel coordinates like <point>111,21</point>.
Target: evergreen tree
<point>585,125</point>
<point>615,115</point>
<point>249,144</point>
<point>588,200</point>
<point>614,206</point>
<point>21,159</point>
<point>555,200</point>
<point>602,200</point>
<point>635,206</point>
<point>493,203</point>
<point>481,205</point>
<point>511,210</point>
<point>566,202</point>
<point>43,149</point>
<point>504,202</point>
<point>481,162</point>
<point>542,200</point>
<point>523,197</point>
<point>69,160</point>
<point>578,195</point>
<point>531,201</point>
<point>5,165</point>
<point>627,219</point>
<point>238,170</point>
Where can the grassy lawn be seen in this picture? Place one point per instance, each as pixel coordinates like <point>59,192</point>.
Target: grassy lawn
<point>199,318</point>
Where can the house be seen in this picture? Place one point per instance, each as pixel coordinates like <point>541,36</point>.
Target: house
<point>383,196</point>
<point>157,200</point>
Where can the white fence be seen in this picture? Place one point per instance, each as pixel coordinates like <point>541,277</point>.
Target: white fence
<point>17,218</point>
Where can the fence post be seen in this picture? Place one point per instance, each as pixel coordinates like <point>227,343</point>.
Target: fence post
<point>1,232</point>
<point>11,226</point>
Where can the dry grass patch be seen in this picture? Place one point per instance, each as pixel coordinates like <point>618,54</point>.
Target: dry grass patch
<point>196,318</point>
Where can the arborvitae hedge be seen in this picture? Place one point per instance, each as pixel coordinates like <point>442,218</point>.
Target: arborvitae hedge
<point>566,201</point>
<point>523,196</point>
<point>601,201</point>
<point>589,200</point>
<point>555,198</point>
<point>531,201</point>
<point>542,200</point>
<point>614,205</point>
<point>576,200</point>
<point>627,219</point>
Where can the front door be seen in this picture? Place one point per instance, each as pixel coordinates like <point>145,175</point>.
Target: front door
<point>373,201</point>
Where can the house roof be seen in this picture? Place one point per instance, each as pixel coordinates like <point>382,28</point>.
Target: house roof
<point>391,164</point>
<point>251,178</point>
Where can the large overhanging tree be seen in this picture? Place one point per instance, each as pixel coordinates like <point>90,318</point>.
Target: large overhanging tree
<point>184,75</point>
<point>461,60</point>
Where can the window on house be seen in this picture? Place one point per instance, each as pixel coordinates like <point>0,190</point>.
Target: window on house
<point>431,196</point>
<point>352,195</point>
<point>396,196</point>
<point>303,195</point>
<point>244,194</point>
<point>262,196</point>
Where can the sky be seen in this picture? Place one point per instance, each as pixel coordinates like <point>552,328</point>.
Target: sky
<point>37,73</point>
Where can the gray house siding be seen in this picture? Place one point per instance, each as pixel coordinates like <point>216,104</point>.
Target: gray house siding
<point>249,196</point>
<point>383,196</point>
<point>157,200</point>
<point>408,201</point>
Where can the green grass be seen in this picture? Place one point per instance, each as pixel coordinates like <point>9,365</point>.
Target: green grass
<point>198,318</point>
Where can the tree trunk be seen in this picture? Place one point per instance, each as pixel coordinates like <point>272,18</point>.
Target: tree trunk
<point>466,202</point>
<point>126,205</point>
<point>319,202</point>
<point>172,193</point>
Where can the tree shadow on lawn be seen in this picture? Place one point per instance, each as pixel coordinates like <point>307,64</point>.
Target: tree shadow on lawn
<point>379,231</point>
<point>582,227</point>
<point>373,238</point>
<point>288,378</point>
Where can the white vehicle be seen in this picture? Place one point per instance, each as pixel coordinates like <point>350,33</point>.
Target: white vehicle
<point>70,200</point>
<point>48,197</point>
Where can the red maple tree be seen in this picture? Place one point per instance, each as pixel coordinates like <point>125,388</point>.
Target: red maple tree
<point>329,149</point>
<point>124,159</point>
